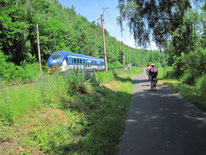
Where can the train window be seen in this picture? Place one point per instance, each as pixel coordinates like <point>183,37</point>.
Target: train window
<point>83,61</point>
<point>80,61</point>
<point>56,56</point>
<point>75,60</point>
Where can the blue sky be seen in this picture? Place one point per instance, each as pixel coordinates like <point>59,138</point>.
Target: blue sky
<point>92,9</point>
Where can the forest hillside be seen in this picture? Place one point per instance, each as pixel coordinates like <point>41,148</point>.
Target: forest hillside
<point>60,29</point>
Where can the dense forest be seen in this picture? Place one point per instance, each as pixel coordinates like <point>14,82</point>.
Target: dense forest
<point>60,29</point>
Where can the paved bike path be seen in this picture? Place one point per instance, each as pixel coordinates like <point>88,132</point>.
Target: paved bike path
<point>162,123</point>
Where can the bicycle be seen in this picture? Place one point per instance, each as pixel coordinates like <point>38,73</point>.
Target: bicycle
<point>148,74</point>
<point>153,82</point>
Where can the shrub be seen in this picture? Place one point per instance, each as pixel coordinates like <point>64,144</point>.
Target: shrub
<point>115,65</point>
<point>76,82</point>
<point>10,72</point>
<point>195,65</point>
<point>168,72</point>
<point>187,78</point>
<point>7,69</point>
<point>201,84</point>
<point>30,71</point>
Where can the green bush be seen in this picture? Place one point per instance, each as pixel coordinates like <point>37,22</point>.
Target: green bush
<point>187,78</point>
<point>7,69</point>
<point>10,72</point>
<point>29,71</point>
<point>191,66</point>
<point>201,84</point>
<point>115,65</point>
<point>168,72</point>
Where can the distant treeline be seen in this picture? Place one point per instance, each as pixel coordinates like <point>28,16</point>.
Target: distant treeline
<point>60,29</point>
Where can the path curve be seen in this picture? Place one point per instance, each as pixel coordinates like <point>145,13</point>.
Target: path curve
<point>162,123</point>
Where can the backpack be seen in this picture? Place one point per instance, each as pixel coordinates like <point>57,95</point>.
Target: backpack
<point>154,70</point>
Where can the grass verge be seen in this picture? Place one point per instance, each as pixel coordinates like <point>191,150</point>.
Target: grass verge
<point>85,122</point>
<point>188,92</point>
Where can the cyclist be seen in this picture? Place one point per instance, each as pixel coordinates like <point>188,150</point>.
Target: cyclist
<point>153,74</point>
<point>148,71</point>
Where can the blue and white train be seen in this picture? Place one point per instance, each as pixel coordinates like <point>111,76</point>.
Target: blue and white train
<point>64,60</point>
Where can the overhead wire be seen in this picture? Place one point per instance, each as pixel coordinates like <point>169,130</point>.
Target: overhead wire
<point>111,17</point>
<point>108,10</point>
<point>109,14</point>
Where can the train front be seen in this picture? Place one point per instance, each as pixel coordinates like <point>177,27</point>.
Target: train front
<point>55,61</point>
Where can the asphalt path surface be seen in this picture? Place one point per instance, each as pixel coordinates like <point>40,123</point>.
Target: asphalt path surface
<point>162,123</point>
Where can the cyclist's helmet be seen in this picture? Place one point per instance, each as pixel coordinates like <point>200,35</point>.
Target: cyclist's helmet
<point>148,65</point>
<point>153,65</point>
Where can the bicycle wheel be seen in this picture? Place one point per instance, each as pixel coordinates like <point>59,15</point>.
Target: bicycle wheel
<point>152,85</point>
<point>155,85</point>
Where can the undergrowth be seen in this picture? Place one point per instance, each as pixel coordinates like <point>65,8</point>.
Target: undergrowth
<point>194,93</point>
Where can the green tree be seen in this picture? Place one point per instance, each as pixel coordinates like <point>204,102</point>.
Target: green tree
<point>156,20</point>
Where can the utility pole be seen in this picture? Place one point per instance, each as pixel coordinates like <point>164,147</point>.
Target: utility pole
<point>105,56</point>
<point>38,46</point>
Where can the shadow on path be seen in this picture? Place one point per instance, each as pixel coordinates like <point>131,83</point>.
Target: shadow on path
<point>162,123</point>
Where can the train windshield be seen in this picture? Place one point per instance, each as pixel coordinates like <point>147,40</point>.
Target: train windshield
<point>56,56</point>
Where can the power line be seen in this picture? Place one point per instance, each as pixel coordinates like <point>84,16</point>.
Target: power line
<point>100,4</point>
<point>108,10</point>
<point>105,10</point>
<point>112,17</point>
<point>109,13</point>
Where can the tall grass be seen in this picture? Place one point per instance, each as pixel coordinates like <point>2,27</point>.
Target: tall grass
<point>103,77</point>
<point>17,100</point>
<point>75,117</point>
